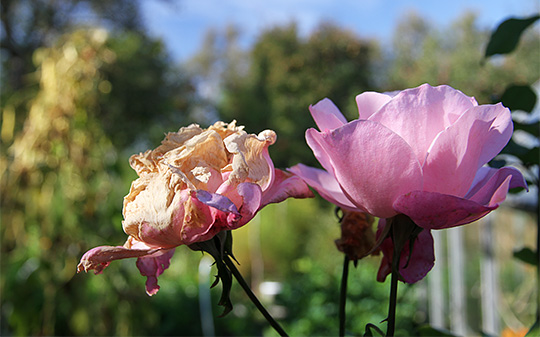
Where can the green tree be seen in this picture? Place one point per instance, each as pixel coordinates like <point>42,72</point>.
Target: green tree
<point>142,93</point>
<point>273,84</point>
<point>453,55</point>
<point>31,24</point>
<point>144,96</point>
<point>62,182</point>
<point>73,99</point>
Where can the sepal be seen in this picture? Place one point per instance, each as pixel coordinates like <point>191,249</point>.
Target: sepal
<point>219,246</point>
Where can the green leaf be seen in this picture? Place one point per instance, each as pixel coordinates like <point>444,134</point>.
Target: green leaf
<point>427,330</point>
<point>532,128</point>
<point>506,37</point>
<point>519,97</point>
<point>527,255</point>
<point>526,156</point>
<point>497,163</point>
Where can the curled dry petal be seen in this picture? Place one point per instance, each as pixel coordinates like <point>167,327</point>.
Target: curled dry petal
<point>152,266</point>
<point>357,236</point>
<point>99,258</point>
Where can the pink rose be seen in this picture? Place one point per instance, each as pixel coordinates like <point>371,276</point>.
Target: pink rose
<point>420,152</point>
<point>197,183</point>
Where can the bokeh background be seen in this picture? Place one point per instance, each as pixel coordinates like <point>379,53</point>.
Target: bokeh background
<point>85,84</point>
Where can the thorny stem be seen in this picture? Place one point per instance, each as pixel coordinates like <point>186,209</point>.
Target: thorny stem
<point>252,297</point>
<point>343,296</point>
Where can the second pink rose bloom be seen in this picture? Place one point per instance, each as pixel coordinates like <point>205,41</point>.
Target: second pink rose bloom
<point>420,152</point>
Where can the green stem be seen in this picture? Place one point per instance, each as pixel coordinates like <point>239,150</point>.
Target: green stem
<point>403,230</point>
<point>252,297</point>
<point>393,294</point>
<point>343,296</point>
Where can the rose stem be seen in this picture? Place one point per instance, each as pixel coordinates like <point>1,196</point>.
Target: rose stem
<point>343,296</point>
<point>393,292</point>
<point>252,296</point>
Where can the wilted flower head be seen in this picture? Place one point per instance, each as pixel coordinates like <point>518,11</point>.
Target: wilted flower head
<point>197,183</point>
<point>357,236</point>
<point>419,152</point>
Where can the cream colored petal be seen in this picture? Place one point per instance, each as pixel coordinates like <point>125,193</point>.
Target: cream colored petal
<point>225,130</point>
<point>153,199</point>
<point>176,139</point>
<point>204,152</point>
<point>249,162</point>
<point>142,163</point>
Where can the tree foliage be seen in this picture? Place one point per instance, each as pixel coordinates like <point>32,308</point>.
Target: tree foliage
<point>73,99</point>
<point>31,24</point>
<point>274,84</point>
<point>454,56</point>
<point>56,177</point>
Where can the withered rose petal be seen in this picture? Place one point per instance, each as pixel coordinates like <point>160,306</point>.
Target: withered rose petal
<point>286,185</point>
<point>357,236</point>
<point>152,266</point>
<point>250,157</point>
<point>99,258</point>
<point>217,201</point>
<point>152,204</point>
<point>196,224</point>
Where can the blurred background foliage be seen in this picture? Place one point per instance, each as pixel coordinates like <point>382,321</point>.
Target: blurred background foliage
<point>84,87</point>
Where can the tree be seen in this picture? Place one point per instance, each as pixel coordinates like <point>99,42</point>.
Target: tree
<point>141,92</point>
<point>285,74</point>
<point>73,99</point>
<point>31,24</point>
<point>453,56</point>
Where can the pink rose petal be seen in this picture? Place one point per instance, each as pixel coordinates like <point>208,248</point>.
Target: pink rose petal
<point>364,157</point>
<point>251,196</point>
<point>326,115</point>
<point>488,180</point>
<point>152,266</point>
<point>315,141</point>
<point>418,115</point>
<point>460,150</point>
<point>285,186</point>
<point>325,184</point>
<point>370,102</point>
<point>432,210</point>
<point>411,269</point>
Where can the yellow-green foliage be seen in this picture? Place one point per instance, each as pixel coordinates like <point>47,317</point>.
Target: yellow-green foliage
<point>54,181</point>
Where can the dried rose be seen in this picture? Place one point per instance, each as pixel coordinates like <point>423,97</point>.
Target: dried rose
<point>197,183</point>
<point>357,236</point>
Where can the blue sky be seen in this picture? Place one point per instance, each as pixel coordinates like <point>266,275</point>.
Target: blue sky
<point>182,23</point>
